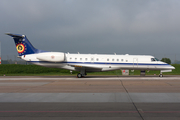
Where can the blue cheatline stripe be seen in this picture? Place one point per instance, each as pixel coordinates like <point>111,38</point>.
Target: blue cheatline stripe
<point>101,63</point>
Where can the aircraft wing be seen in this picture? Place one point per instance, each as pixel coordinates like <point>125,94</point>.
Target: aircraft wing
<point>88,68</point>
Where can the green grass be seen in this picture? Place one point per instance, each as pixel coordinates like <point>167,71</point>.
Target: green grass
<point>34,70</point>
<point>12,69</point>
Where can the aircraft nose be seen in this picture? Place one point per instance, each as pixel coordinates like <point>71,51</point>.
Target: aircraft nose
<point>173,67</point>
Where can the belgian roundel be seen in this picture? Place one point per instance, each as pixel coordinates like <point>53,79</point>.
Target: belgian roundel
<point>20,48</point>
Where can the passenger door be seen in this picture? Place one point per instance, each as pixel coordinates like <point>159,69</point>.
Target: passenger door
<point>135,63</point>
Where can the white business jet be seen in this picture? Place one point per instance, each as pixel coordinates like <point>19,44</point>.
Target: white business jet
<point>85,63</point>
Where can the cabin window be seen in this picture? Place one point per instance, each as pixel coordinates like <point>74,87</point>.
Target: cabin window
<point>86,59</point>
<point>70,58</point>
<point>97,59</point>
<point>107,59</point>
<point>75,58</point>
<point>117,59</point>
<point>126,60</point>
<point>80,58</point>
<point>112,59</point>
<point>122,60</point>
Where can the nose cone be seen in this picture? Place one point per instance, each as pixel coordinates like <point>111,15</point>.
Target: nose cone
<point>172,67</point>
<point>168,67</point>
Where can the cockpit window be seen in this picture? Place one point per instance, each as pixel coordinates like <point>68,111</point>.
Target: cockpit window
<point>157,59</point>
<point>152,59</point>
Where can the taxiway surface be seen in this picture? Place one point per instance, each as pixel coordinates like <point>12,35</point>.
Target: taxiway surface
<point>94,97</point>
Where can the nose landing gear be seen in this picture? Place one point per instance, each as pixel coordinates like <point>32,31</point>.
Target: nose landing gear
<point>161,75</point>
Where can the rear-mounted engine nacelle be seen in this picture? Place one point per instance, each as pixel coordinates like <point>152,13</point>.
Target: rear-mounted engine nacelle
<point>51,56</point>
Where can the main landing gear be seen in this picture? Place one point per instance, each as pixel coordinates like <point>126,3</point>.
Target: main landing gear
<point>81,74</point>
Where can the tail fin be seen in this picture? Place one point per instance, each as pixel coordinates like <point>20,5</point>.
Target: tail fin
<point>23,45</point>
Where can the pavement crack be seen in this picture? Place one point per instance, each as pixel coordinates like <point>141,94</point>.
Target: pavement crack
<point>138,110</point>
<point>168,84</point>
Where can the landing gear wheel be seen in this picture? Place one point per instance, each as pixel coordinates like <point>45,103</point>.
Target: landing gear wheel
<point>160,75</point>
<point>79,75</point>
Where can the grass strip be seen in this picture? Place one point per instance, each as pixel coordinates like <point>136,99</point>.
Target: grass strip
<point>35,70</point>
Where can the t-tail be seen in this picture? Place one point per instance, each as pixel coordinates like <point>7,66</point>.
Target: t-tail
<point>23,45</point>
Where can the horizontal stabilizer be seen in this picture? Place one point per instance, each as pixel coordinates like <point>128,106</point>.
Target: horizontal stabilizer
<point>15,35</point>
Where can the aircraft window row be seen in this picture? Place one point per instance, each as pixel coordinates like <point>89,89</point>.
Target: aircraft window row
<point>114,59</point>
<point>80,59</point>
<point>97,59</point>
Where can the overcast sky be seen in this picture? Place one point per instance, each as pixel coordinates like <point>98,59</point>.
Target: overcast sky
<point>94,26</point>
